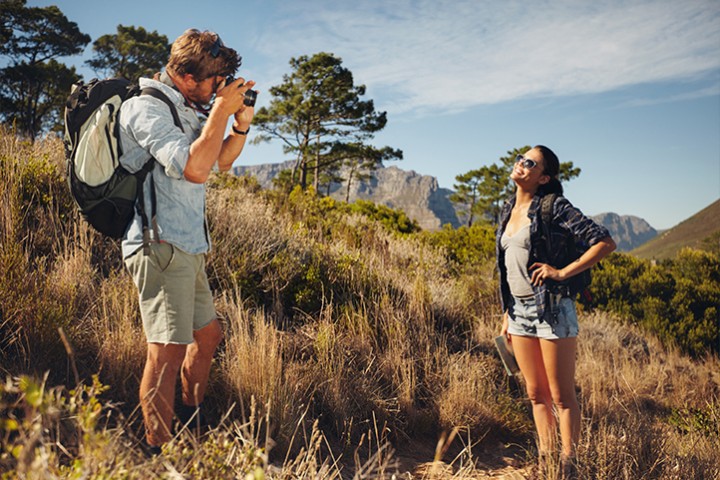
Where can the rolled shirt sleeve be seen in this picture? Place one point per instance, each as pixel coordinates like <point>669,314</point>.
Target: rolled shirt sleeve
<point>572,219</point>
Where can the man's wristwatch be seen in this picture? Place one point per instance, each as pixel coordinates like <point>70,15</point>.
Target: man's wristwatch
<point>240,132</point>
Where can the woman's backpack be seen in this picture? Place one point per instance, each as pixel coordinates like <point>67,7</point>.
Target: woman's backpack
<point>563,252</point>
<point>106,193</point>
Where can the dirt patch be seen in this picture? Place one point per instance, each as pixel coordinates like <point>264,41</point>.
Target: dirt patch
<point>422,460</point>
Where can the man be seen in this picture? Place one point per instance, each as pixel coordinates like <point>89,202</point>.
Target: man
<point>176,305</point>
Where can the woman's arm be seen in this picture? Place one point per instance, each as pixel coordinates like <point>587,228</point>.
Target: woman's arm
<point>600,250</point>
<point>572,220</point>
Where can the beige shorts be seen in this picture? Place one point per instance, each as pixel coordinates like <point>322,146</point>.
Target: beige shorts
<point>175,296</point>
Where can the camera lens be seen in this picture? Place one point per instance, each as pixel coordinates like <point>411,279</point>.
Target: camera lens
<point>250,97</point>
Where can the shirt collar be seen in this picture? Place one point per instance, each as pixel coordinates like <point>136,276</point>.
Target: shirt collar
<point>170,91</point>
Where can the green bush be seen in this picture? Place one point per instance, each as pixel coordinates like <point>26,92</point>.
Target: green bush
<point>394,220</point>
<point>464,246</point>
<point>678,299</point>
<point>325,214</point>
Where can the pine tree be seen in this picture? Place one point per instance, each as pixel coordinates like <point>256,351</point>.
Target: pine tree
<point>318,114</point>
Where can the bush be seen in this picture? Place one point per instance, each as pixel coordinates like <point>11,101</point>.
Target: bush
<point>464,246</point>
<point>394,220</point>
<point>678,299</point>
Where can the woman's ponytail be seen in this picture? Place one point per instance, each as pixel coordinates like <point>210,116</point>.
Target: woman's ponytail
<point>552,169</point>
<point>553,186</point>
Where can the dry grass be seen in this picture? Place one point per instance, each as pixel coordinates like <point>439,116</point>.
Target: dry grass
<point>650,412</point>
<point>347,349</point>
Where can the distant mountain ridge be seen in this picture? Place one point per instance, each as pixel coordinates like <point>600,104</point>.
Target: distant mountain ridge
<point>422,199</point>
<point>628,231</point>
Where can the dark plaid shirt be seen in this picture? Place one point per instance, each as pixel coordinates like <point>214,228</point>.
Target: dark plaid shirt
<point>566,220</point>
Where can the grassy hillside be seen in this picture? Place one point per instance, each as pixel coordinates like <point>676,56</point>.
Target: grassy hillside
<point>351,350</point>
<point>701,231</point>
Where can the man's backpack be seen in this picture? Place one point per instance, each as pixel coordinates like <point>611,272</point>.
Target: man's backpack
<point>563,253</point>
<point>106,193</point>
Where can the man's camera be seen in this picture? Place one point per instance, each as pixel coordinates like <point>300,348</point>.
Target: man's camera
<point>250,95</point>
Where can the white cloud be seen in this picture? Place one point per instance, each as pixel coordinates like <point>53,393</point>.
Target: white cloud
<point>422,55</point>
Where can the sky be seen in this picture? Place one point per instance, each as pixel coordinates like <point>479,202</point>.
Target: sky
<point>629,91</point>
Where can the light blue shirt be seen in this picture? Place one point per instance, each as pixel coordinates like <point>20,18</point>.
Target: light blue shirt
<point>147,130</point>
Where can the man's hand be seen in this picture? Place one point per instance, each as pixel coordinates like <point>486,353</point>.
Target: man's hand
<point>243,117</point>
<point>230,98</point>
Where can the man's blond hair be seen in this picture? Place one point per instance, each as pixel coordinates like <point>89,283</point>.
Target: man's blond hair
<point>202,55</point>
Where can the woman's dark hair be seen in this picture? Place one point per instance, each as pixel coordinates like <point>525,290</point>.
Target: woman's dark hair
<point>552,169</point>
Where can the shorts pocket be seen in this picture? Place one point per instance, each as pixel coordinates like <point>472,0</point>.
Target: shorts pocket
<point>162,256</point>
<point>567,319</point>
<point>554,314</point>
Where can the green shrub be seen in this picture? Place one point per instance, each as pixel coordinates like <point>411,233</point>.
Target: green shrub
<point>464,246</point>
<point>678,299</point>
<point>703,420</point>
<point>324,215</point>
<point>393,219</point>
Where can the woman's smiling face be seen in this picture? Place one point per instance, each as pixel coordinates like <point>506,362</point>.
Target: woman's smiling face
<point>529,169</point>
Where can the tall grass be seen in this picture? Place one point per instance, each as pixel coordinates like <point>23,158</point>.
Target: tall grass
<point>650,413</point>
<point>350,350</point>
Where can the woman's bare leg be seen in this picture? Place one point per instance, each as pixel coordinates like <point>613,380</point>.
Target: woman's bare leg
<point>559,360</point>
<point>529,356</point>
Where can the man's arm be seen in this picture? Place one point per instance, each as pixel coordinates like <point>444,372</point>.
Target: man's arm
<point>235,142</point>
<point>211,146</point>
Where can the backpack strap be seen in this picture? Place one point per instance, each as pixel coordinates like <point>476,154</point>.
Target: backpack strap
<point>157,93</point>
<point>147,169</point>
<point>547,204</point>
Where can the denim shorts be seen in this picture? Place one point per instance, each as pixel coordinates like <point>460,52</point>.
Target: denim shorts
<point>559,321</point>
<point>175,296</point>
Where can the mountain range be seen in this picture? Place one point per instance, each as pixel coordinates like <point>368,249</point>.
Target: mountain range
<point>423,200</point>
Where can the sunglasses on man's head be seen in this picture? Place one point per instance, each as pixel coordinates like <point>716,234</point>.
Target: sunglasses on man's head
<point>219,45</point>
<point>216,46</point>
<point>526,162</point>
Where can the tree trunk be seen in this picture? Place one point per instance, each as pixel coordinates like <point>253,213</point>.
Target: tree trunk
<point>349,182</point>
<point>295,169</point>
<point>316,180</point>
<point>303,174</point>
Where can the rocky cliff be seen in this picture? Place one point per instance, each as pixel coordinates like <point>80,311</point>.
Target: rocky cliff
<point>628,231</point>
<point>419,196</point>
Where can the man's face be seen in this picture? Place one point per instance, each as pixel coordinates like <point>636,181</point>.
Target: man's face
<point>202,92</point>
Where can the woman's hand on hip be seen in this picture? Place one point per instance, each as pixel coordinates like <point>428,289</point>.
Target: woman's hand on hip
<point>542,272</point>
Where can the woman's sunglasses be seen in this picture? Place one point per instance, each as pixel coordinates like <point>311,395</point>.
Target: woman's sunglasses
<point>526,162</point>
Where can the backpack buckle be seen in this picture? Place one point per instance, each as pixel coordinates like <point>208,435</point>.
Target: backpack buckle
<point>146,241</point>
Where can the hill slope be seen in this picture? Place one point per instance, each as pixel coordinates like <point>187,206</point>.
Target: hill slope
<point>693,232</point>
<point>344,342</point>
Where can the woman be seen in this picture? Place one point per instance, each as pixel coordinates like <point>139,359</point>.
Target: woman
<point>539,318</point>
